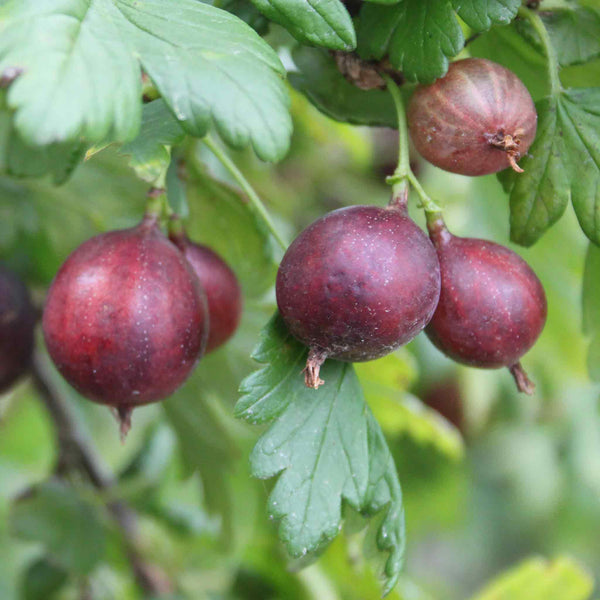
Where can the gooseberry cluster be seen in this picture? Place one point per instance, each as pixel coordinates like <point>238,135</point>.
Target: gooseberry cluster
<point>130,313</point>
<point>362,281</point>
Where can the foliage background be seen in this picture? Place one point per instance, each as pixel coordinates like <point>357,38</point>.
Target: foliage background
<point>522,480</point>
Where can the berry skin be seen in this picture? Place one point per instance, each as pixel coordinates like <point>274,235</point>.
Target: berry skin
<point>17,323</point>
<point>492,306</point>
<point>221,286</point>
<point>477,119</point>
<point>357,284</point>
<point>126,319</point>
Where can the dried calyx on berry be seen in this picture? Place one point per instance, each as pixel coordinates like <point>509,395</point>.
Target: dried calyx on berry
<point>477,119</point>
<point>492,306</point>
<point>357,284</point>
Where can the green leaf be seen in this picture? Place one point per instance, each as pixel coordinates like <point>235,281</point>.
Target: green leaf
<point>150,151</point>
<point>539,196</point>
<point>591,308</point>
<point>580,120</point>
<point>84,79</point>
<point>418,35</point>
<point>385,382</point>
<point>320,22</point>
<point>480,15</point>
<point>42,580</point>
<point>222,218</point>
<point>207,64</point>
<point>69,526</point>
<point>574,33</point>
<point>20,160</point>
<point>540,579</point>
<point>322,83</point>
<point>563,163</point>
<point>326,447</point>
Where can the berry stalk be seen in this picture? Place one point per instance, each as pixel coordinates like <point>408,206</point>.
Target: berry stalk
<point>553,66</point>
<point>254,198</point>
<point>403,175</point>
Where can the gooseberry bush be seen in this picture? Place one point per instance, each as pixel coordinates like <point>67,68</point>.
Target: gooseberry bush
<point>201,208</point>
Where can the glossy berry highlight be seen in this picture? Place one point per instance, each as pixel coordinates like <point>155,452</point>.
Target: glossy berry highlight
<point>17,323</point>
<point>126,320</point>
<point>357,284</point>
<point>477,119</point>
<point>220,284</point>
<point>492,306</point>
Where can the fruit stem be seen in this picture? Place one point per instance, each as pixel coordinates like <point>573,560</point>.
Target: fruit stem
<point>176,228</point>
<point>403,168</point>
<point>438,232</point>
<point>313,366</point>
<point>255,200</point>
<point>403,172</point>
<point>124,419</point>
<point>524,384</point>
<point>553,66</point>
<point>156,205</point>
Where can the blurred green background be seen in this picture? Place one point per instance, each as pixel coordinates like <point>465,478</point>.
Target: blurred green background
<point>491,478</point>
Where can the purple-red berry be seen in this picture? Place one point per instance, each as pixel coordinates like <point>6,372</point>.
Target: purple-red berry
<point>126,319</point>
<point>221,286</point>
<point>17,323</point>
<point>357,284</point>
<point>477,119</point>
<point>492,306</point>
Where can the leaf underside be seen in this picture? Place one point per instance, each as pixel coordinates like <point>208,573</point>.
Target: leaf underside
<point>326,447</point>
<point>84,80</point>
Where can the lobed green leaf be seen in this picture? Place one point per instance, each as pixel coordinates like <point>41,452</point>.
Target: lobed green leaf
<point>319,22</point>
<point>326,447</point>
<point>481,15</point>
<point>84,80</point>
<point>563,163</point>
<point>418,36</point>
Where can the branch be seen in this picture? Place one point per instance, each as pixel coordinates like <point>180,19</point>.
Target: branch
<point>76,454</point>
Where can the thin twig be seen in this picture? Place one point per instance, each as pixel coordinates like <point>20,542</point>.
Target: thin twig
<point>76,454</point>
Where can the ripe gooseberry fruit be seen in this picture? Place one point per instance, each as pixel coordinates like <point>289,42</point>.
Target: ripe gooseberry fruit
<point>477,119</point>
<point>17,323</point>
<point>220,284</point>
<point>492,306</point>
<point>126,318</point>
<point>356,284</point>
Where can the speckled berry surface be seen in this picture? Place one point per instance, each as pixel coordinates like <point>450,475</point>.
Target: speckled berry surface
<point>17,323</point>
<point>126,320</point>
<point>492,306</point>
<point>358,283</point>
<point>461,121</point>
<point>221,286</point>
